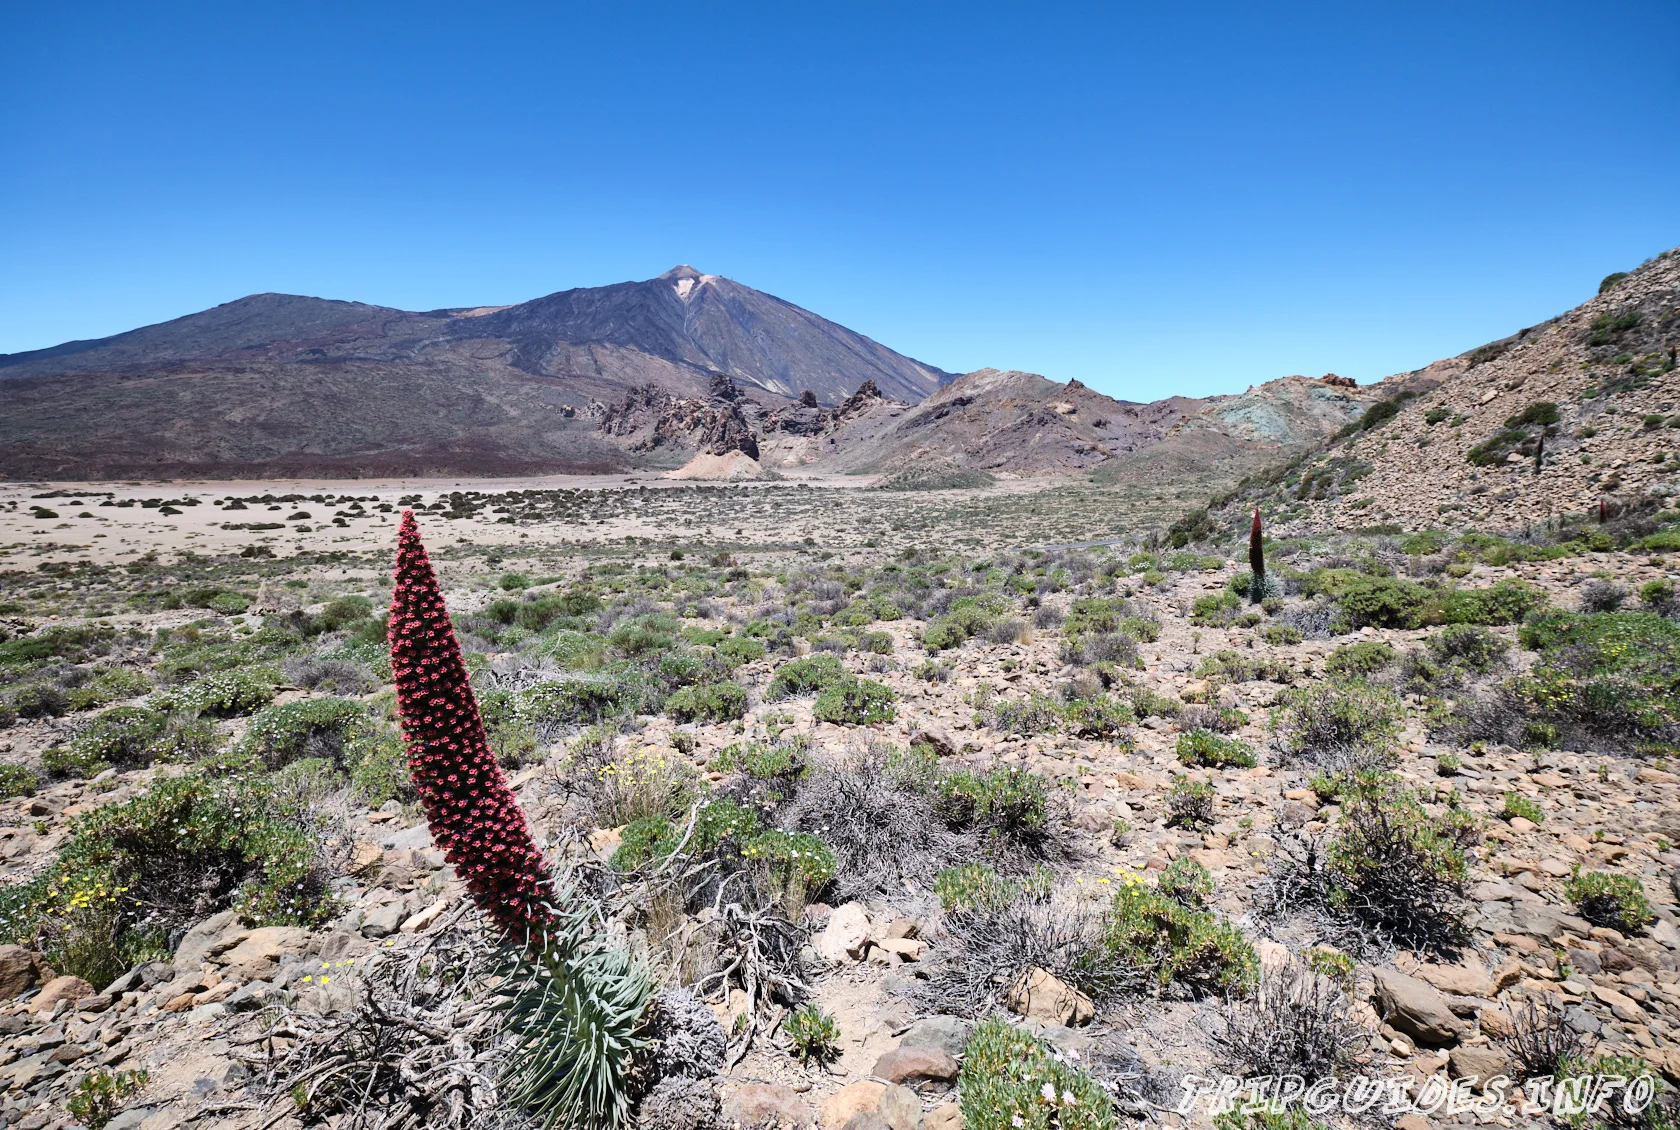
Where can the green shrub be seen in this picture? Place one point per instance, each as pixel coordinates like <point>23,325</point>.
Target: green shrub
<point>1282,634</point>
<point>1148,704</point>
<point>1187,883</point>
<point>1156,933</point>
<point>17,780</point>
<point>38,700</point>
<point>1610,673</point>
<point>809,675</point>
<point>644,635</point>
<point>98,1097</point>
<point>1382,602</point>
<point>378,762</point>
<point>1215,610</point>
<point>762,761</point>
<point>973,886</point>
<point>72,761</point>
<point>1008,804</point>
<point>708,702</point>
<point>584,701</point>
<point>224,694</point>
<point>797,864</point>
<point>1190,804</point>
<point>968,616</point>
<point>1605,899</point>
<point>1506,602</point>
<point>312,727</point>
<point>1518,805</point>
<point>1204,747</point>
<point>1395,866</point>
<point>1360,660</point>
<point>855,702</point>
<point>1327,719</point>
<point>110,684</point>
<point>812,1034</point>
<point>1098,717</point>
<point>736,650</point>
<point>514,744</point>
<point>1468,646</point>
<point>122,737</point>
<point>1012,1081</point>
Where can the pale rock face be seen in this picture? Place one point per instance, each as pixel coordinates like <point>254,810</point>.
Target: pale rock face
<point>1039,995</point>
<point>846,936</point>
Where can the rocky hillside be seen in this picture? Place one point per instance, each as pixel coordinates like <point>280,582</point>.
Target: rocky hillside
<point>1544,423</point>
<point>282,384</point>
<point>990,420</point>
<point>961,826</point>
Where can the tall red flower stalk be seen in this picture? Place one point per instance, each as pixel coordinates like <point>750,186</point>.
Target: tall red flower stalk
<point>1256,558</point>
<point>473,815</point>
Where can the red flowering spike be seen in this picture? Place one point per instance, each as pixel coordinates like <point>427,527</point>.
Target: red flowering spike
<point>1256,557</point>
<point>473,815</point>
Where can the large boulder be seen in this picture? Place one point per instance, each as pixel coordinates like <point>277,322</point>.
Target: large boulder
<point>862,1097</point>
<point>1416,1008</point>
<point>918,1065</point>
<point>755,1105</point>
<point>948,1033</point>
<point>845,937</point>
<point>1039,995</point>
<point>255,954</point>
<point>18,971</point>
<point>66,988</point>
<point>196,946</point>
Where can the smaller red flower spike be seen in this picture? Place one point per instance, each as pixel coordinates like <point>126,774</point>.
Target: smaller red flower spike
<point>473,815</point>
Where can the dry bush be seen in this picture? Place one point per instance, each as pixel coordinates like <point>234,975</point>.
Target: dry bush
<point>1298,1022</point>
<point>1541,1041</point>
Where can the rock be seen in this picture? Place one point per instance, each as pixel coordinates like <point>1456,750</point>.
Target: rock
<point>1479,1063</point>
<point>256,953</point>
<point>195,947</point>
<point>422,921</point>
<point>1039,995</point>
<point>678,1102</point>
<point>846,935</point>
<point>948,1033</point>
<point>902,928</point>
<point>900,1108</point>
<point>1495,1022</point>
<point>866,1120</point>
<point>1468,978</point>
<point>363,856</point>
<point>1412,1121</point>
<point>418,836</point>
<point>910,949</point>
<point>854,1098</point>
<point>935,736</point>
<point>385,921</point>
<point>18,971</point>
<point>946,1116</point>
<point>919,1065</point>
<point>1416,1008</point>
<point>765,1104</point>
<point>1625,1008</point>
<point>131,1119</point>
<point>66,988</point>
<point>1544,921</point>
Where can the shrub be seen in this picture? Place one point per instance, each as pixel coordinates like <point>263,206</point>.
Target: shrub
<point>1190,804</point>
<point>1506,602</point>
<point>1382,602</point>
<point>72,761</point>
<point>1187,883</point>
<point>1360,660</point>
<point>1098,717</point>
<point>708,702</point>
<point>855,702</point>
<point>1298,1022</point>
<point>796,864</point>
<point>514,743</point>
<point>1012,1081</point>
<point>1203,747</point>
<point>1518,805</point>
<point>573,701</point>
<point>311,727</point>
<point>17,780</point>
<point>38,700</point>
<point>1468,646</point>
<point>736,650</point>
<point>111,684</point>
<point>812,1034</point>
<point>644,635</point>
<point>98,1097</point>
<point>225,694</point>
<point>1609,673</point>
<point>123,737</point>
<point>972,886</point>
<point>1396,868</point>
<point>809,675</point>
<point>643,783</point>
<point>1603,596</point>
<point>1327,721</point>
<point>1540,1040</point>
<point>378,762</point>
<point>1009,804</point>
<point>1606,899</point>
<point>1216,610</point>
<point>1193,948</point>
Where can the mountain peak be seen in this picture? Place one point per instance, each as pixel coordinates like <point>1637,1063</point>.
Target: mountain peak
<point>681,271</point>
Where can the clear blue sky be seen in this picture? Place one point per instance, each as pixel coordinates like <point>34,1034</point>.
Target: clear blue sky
<point>1152,198</point>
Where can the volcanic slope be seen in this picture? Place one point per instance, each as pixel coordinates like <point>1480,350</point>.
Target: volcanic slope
<point>283,384</point>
